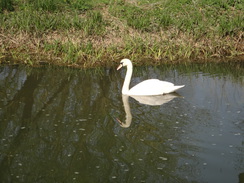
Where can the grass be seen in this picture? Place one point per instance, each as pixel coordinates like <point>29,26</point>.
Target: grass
<point>97,32</point>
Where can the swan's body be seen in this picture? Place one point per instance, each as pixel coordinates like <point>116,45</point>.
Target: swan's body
<point>147,87</point>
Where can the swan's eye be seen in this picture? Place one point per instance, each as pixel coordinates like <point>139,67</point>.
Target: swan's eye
<point>121,63</point>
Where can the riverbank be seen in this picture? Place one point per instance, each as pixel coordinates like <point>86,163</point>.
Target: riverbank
<point>99,32</point>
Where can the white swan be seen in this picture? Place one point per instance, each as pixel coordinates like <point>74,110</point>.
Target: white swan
<point>147,87</point>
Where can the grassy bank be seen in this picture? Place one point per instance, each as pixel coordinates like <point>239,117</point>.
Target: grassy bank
<point>98,32</point>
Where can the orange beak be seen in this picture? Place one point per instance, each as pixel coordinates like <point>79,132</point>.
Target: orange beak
<point>119,67</point>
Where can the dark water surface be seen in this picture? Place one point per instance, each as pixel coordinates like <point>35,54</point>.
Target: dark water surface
<point>62,125</point>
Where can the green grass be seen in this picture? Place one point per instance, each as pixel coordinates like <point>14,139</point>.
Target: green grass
<point>73,53</point>
<point>194,17</point>
<point>6,5</point>
<point>44,16</point>
<point>80,31</point>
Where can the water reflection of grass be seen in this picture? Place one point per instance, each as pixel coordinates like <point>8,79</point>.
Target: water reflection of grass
<point>79,32</point>
<point>213,69</point>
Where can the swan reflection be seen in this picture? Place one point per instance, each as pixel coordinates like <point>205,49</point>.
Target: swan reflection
<point>148,100</point>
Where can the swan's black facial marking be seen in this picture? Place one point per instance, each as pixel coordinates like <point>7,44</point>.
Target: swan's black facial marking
<point>121,63</point>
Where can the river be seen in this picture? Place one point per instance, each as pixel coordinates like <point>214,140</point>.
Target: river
<point>73,125</point>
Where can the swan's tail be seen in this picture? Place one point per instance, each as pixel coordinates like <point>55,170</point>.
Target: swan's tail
<point>175,88</point>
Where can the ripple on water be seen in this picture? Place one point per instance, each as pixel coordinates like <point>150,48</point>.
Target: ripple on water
<point>163,158</point>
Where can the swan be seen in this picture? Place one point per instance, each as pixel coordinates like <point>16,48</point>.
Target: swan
<point>147,87</point>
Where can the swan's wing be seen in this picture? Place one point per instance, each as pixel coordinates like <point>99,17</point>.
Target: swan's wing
<point>153,87</point>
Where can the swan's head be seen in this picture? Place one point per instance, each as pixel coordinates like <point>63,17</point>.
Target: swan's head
<point>124,62</point>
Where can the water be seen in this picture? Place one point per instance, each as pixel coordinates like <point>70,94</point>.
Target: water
<point>70,125</point>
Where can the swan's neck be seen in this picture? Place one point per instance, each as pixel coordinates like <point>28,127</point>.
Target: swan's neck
<point>126,84</point>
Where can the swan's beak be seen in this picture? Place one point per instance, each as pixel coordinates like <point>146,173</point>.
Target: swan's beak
<point>120,65</point>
